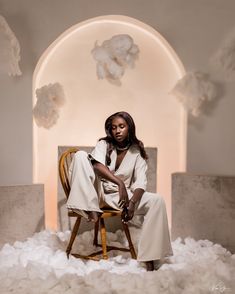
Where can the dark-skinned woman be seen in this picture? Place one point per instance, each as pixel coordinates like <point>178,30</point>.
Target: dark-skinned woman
<point>114,175</point>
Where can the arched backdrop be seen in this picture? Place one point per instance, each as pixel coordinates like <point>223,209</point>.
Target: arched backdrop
<point>144,93</point>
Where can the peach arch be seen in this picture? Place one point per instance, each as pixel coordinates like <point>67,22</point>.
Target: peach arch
<point>160,119</point>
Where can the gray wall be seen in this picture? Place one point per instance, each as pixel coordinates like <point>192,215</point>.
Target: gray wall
<point>204,208</point>
<point>193,28</point>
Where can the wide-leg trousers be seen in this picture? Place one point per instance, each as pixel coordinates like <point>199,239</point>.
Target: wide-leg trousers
<point>86,195</point>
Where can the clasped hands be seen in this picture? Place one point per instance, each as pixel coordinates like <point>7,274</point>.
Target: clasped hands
<point>128,206</point>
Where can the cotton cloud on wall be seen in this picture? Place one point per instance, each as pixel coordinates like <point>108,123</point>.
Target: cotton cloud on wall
<point>193,90</point>
<point>50,98</point>
<point>114,55</point>
<point>9,50</point>
<point>223,60</point>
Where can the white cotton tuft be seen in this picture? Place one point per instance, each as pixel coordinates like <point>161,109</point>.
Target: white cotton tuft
<point>193,90</point>
<point>114,55</point>
<point>9,50</point>
<point>223,60</point>
<point>40,265</point>
<point>50,99</point>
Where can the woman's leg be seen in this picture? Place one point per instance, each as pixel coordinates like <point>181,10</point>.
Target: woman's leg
<point>154,241</point>
<point>83,197</point>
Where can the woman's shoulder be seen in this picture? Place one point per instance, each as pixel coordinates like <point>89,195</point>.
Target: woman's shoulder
<point>134,149</point>
<point>101,143</point>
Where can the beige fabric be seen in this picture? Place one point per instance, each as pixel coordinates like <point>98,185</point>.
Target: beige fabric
<point>132,169</point>
<point>89,193</point>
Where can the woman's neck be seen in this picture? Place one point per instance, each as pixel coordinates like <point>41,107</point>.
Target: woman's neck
<point>122,146</point>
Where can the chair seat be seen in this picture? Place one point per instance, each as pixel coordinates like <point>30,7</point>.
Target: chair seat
<point>111,212</point>
<point>106,213</point>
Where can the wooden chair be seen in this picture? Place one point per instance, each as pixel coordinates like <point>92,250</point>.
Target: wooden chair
<point>64,162</point>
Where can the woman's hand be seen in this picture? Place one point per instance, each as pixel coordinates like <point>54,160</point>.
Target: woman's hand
<point>131,210</point>
<point>123,196</point>
<point>128,211</point>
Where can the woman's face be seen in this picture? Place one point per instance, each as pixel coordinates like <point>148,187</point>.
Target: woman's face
<point>119,129</point>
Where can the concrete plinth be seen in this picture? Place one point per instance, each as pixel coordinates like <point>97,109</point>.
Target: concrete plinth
<point>203,207</point>
<point>21,212</point>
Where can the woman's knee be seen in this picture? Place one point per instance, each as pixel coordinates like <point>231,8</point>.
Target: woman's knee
<point>156,199</point>
<point>81,155</point>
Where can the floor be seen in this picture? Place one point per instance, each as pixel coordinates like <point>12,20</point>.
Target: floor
<point>40,265</point>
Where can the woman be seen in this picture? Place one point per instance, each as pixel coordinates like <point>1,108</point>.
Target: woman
<point>114,175</point>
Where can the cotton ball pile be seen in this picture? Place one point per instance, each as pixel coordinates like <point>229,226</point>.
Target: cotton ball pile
<point>223,59</point>
<point>9,50</point>
<point>193,90</point>
<point>40,265</point>
<point>114,55</point>
<point>50,99</point>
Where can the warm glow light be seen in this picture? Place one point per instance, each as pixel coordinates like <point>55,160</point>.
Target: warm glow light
<point>160,119</point>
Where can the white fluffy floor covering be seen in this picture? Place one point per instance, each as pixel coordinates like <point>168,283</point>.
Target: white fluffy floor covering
<point>40,265</point>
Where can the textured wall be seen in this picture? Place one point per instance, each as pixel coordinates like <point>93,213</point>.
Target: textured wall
<point>193,28</point>
<point>203,207</point>
<point>21,212</point>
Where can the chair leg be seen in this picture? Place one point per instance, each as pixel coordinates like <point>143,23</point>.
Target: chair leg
<point>96,230</point>
<point>128,236</point>
<point>73,235</point>
<point>103,238</point>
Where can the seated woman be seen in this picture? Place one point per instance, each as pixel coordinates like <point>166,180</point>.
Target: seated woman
<point>114,175</point>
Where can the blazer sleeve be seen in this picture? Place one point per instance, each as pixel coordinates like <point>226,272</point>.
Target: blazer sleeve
<point>140,174</point>
<point>99,152</point>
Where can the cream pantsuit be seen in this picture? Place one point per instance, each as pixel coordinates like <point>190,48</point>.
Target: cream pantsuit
<point>90,193</point>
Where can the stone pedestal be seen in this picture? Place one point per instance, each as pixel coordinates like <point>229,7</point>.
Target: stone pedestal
<point>203,207</point>
<point>112,224</point>
<point>21,212</point>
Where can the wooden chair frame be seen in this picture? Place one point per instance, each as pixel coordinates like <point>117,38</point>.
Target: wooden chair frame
<point>64,162</point>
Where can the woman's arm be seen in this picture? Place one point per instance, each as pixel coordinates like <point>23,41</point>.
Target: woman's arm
<point>105,173</point>
<point>138,186</point>
<point>137,195</point>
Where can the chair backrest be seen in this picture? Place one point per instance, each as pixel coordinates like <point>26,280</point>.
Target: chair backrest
<point>64,163</point>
